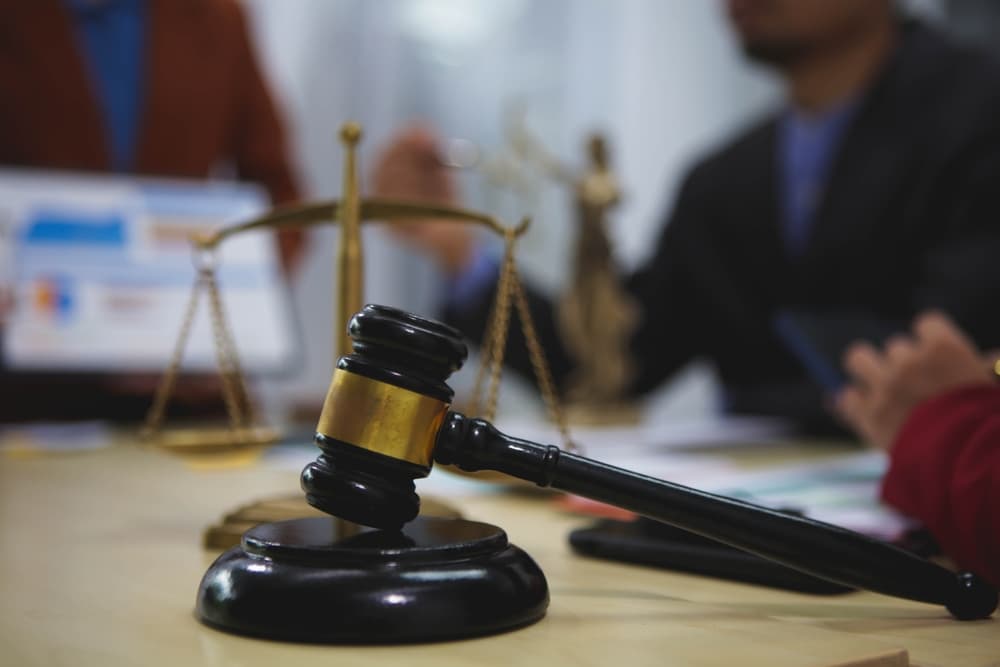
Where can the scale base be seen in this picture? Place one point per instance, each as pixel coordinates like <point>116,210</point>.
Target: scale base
<point>324,580</point>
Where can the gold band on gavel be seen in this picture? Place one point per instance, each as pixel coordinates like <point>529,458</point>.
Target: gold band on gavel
<point>381,417</point>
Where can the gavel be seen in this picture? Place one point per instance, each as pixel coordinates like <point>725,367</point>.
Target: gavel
<point>386,420</point>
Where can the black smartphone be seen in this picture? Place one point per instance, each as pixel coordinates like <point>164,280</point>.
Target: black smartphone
<point>647,542</point>
<point>818,340</point>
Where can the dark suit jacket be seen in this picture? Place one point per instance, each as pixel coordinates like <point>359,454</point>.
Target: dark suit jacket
<point>910,219</point>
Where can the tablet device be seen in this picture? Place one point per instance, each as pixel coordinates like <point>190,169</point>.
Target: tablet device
<point>101,269</point>
<point>648,542</point>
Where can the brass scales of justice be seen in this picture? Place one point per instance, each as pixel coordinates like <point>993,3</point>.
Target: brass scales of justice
<point>245,430</point>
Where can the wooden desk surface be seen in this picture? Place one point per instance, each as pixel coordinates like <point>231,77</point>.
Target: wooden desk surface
<point>101,559</point>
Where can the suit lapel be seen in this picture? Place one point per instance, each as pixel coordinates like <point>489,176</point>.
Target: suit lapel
<point>865,175</point>
<point>178,60</point>
<point>774,259</point>
<point>760,249</point>
<point>156,61</point>
<point>59,70</point>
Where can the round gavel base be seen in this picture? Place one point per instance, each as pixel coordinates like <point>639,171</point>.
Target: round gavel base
<point>324,580</point>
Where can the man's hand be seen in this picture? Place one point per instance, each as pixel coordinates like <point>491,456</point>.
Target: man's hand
<point>412,168</point>
<point>890,383</point>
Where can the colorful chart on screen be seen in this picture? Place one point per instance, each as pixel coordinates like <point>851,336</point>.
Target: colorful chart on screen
<point>101,270</point>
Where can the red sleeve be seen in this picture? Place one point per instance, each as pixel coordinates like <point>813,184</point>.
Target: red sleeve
<point>945,471</point>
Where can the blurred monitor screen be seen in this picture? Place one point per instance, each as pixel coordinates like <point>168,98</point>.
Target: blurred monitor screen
<point>101,271</point>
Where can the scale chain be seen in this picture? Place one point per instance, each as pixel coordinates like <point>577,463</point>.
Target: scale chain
<point>154,418</point>
<point>236,396</point>
<point>494,340</point>
<point>510,294</point>
<point>234,389</point>
<point>498,346</point>
<point>538,363</point>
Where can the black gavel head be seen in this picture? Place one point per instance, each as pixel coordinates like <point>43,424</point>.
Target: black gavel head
<point>386,403</point>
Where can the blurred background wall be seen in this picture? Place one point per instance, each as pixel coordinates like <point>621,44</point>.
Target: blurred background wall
<point>662,78</point>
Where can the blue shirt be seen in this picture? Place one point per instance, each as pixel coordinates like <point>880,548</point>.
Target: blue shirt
<point>476,279</point>
<point>112,37</point>
<point>807,145</point>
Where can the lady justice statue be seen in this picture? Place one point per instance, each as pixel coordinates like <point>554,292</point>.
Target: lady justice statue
<point>596,317</point>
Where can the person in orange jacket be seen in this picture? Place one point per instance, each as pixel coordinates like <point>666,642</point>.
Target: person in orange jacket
<point>147,87</point>
<point>151,87</point>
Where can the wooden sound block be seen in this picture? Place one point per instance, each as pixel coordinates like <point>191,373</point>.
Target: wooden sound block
<point>325,580</point>
<point>227,533</point>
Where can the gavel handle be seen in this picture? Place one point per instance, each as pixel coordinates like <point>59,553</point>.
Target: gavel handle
<point>820,549</point>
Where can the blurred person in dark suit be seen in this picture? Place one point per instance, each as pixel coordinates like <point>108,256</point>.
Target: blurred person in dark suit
<point>147,87</point>
<point>873,190</point>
